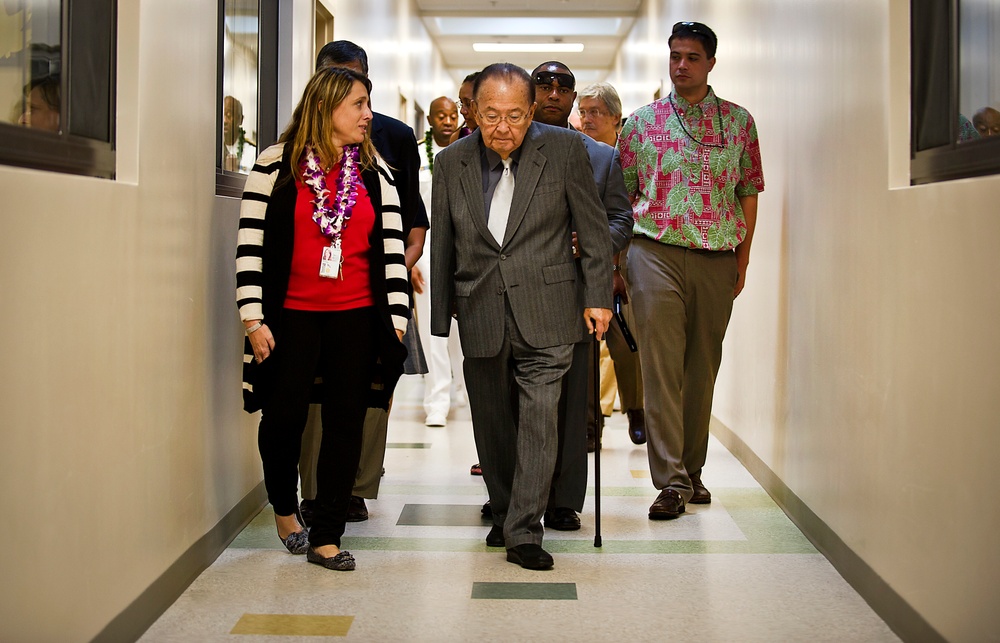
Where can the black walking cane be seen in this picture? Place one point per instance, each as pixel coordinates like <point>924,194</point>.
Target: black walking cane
<point>597,412</point>
<point>597,441</point>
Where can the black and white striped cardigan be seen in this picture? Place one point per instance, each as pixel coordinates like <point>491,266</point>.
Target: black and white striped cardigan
<point>266,237</point>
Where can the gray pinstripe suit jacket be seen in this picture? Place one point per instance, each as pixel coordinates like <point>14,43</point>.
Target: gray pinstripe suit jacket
<point>554,194</point>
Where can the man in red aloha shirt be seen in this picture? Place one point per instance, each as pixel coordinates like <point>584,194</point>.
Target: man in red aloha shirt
<point>693,170</point>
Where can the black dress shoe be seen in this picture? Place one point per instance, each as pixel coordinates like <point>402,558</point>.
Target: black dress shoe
<point>636,425</point>
<point>487,510</point>
<point>495,537</point>
<point>668,505</point>
<point>529,556</point>
<point>307,509</point>
<point>563,519</point>
<point>593,437</point>
<point>357,511</point>
<point>701,496</point>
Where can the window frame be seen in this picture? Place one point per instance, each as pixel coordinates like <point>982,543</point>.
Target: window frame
<point>951,160</point>
<point>228,183</point>
<point>66,152</point>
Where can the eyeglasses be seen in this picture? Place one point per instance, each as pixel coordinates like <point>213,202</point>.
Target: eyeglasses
<point>592,113</point>
<point>464,102</point>
<point>493,119</point>
<point>696,28</point>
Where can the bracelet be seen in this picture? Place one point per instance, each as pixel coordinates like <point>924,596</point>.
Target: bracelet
<point>255,327</point>
<point>615,267</point>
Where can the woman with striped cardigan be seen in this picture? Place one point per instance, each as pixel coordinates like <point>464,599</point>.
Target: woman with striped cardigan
<point>321,288</point>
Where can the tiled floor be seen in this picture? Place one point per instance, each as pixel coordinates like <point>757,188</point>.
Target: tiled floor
<point>735,570</point>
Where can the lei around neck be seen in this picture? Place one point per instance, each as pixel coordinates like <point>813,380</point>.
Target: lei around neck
<point>332,221</point>
<point>429,145</point>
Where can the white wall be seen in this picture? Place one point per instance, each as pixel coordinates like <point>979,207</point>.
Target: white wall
<point>402,59</point>
<point>861,363</point>
<point>122,439</point>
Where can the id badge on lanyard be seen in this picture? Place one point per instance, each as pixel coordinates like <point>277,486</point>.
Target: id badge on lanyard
<point>329,266</point>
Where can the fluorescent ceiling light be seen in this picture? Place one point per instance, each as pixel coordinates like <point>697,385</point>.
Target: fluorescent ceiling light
<point>527,47</point>
<point>569,27</point>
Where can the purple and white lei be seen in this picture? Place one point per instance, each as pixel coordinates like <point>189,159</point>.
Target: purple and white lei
<point>333,221</point>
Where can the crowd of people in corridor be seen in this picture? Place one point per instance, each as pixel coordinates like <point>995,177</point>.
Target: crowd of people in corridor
<point>536,231</point>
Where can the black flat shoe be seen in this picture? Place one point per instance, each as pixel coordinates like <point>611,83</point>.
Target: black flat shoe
<point>342,562</point>
<point>530,556</point>
<point>296,543</point>
<point>495,537</point>
<point>487,510</point>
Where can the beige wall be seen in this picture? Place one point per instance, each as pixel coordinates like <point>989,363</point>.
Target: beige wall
<point>122,439</point>
<point>861,363</point>
<point>402,60</point>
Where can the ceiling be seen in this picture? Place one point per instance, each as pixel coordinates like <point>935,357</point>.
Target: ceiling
<point>600,25</point>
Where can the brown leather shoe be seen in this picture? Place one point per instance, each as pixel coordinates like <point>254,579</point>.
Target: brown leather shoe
<point>668,505</point>
<point>702,496</point>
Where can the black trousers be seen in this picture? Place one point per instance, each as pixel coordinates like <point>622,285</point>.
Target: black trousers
<point>342,348</point>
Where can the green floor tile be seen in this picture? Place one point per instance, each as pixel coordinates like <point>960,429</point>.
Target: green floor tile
<point>525,591</point>
<point>442,515</point>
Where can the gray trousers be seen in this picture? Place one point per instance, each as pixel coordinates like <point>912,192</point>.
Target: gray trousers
<point>518,454</point>
<point>682,302</point>
<point>569,481</point>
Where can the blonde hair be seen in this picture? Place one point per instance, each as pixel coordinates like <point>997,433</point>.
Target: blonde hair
<point>311,125</point>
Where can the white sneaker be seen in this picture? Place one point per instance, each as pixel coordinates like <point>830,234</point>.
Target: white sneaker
<point>436,420</point>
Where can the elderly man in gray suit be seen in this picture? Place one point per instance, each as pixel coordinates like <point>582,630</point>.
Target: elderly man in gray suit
<point>555,94</point>
<point>506,201</point>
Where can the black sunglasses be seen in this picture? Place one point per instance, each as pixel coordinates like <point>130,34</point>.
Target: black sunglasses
<point>696,28</point>
<point>546,78</point>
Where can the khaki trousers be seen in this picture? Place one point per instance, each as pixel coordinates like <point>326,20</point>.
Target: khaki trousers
<point>682,300</point>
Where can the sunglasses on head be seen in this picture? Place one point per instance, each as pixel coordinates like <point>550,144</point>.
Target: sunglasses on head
<point>547,78</point>
<point>695,28</point>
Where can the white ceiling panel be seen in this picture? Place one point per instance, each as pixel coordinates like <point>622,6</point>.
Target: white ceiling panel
<point>600,25</point>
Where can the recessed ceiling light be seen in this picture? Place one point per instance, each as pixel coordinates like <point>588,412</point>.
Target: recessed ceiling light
<point>527,47</point>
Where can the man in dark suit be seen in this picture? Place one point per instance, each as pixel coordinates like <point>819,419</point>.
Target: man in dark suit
<point>506,201</point>
<point>554,95</point>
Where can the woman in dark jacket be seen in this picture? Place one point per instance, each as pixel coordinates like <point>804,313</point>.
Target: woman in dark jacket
<point>321,288</point>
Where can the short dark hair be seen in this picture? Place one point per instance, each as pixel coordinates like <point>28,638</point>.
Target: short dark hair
<point>341,52</point>
<point>696,31</point>
<point>508,72</point>
<point>471,78</point>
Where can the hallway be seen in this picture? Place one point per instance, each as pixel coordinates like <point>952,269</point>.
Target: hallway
<point>735,570</point>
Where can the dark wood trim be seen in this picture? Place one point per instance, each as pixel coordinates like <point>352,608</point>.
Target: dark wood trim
<point>950,160</point>
<point>135,619</point>
<point>905,621</point>
<point>25,147</point>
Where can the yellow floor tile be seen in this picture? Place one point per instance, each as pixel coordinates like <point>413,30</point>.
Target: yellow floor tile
<point>293,625</point>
